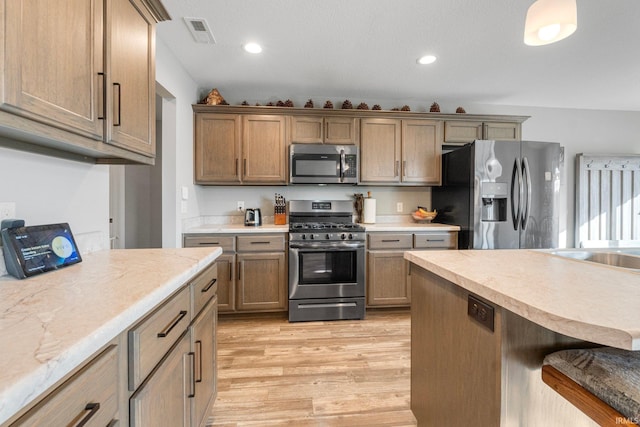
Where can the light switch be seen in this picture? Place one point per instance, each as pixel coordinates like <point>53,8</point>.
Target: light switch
<point>185,193</point>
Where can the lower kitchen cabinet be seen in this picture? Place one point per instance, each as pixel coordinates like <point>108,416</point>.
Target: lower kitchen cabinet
<point>388,281</point>
<point>252,271</point>
<point>180,389</point>
<point>163,399</point>
<point>204,358</point>
<point>90,397</point>
<point>262,282</point>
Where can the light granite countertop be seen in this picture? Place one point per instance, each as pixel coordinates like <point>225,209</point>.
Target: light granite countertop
<point>580,299</point>
<point>271,228</point>
<point>52,323</point>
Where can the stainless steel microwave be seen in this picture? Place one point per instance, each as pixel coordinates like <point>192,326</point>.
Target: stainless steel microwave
<point>323,164</point>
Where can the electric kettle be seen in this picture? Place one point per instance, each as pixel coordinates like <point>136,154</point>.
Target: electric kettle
<point>252,217</point>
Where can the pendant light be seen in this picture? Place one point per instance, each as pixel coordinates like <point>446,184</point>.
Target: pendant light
<point>549,21</point>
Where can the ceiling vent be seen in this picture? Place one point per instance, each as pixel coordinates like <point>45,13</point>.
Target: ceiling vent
<point>200,30</point>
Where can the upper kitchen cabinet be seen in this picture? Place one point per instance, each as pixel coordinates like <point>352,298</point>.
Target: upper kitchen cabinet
<point>217,148</point>
<point>264,149</point>
<point>233,149</point>
<point>131,80</point>
<point>324,130</point>
<point>400,151</point>
<point>468,131</point>
<point>79,77</point>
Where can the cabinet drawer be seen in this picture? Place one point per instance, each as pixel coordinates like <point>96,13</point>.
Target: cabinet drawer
<point>390,241</point>
<point>150,339</point>
<point>90,395</point>
<point>260,243</point>
<point>227,243</point>
<point>203,288</point>
<point>435,241</point>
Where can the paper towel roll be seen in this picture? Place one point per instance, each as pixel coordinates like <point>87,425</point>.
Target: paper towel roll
<point>369,211</point>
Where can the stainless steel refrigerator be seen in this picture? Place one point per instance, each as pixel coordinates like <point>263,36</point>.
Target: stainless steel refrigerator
<point>502,194</point>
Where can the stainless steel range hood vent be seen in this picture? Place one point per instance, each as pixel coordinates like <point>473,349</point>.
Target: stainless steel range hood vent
<point>200,30</point>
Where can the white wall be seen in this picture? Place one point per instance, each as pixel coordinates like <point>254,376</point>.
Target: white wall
<point>50,190</point>
<point>179,93</point>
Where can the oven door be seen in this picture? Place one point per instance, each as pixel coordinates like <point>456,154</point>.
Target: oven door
<point>326,270</point>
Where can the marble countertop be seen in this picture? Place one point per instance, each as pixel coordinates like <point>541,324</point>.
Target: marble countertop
<point>51,323</point>
<point>271,228</point>
<point>580,299</point>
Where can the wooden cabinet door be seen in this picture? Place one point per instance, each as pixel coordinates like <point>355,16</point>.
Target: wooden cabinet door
<point>131,80</point>
<point>53,63</point>
<point>462,131</point>
<point>307,129</point>
<point>502,131</point>
<point>264,156</point>
<point>338,130</point>
<point>217,148</point>
<point>163,399</point>
<point>380,150</point>
<point>203,345</point>
<point>226,282</point>
<point>262,282</point>
<point>387,283</point>
<point>421,151</point>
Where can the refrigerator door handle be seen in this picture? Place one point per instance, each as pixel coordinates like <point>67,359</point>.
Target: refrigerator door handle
<point>526,176</point>
<point>516,179</point>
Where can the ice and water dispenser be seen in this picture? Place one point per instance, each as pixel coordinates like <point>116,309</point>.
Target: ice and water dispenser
<point>494,201</point>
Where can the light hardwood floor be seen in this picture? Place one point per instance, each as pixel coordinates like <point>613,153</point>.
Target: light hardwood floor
<point>341,373</point>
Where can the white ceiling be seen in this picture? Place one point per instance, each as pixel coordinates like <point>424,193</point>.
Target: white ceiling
<point>367,50</point>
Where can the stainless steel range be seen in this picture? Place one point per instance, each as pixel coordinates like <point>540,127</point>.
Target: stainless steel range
<point>326,261</point>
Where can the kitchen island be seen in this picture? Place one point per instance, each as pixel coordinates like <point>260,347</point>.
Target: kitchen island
<point>482,322</point>
<point>52,324</point>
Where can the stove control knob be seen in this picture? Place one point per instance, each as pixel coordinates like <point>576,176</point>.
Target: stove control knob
<point>328,236</point>
<point>343,236</point>
<point>350,236</point>
<point>304,237</point>
<point>311,236</point>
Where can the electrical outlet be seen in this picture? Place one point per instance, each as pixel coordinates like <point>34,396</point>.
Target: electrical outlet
<point>184,207</point>
<point>399,207</point>
<point>240,205</point>
<point>480,312</point>
<point>7,210</point>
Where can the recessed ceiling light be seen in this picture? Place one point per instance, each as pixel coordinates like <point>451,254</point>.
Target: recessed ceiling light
<point>253,48</point>
<point>427,59</point>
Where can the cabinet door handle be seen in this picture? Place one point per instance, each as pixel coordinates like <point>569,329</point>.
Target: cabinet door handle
<point>230,272</point>
<point>236,172</point>
<point>93,409</point>
<point>213,282</point>
<point>199,363</point>
<point>119,104</point>
<point>395,172</point>
<point>435,240</point>
<point>244,167</point>
<point>192,356</point>
<point>101,93</point>
<point>260,243</point>
<point>390,240</point>
<point>239,271</point>
<point>208,243</point>
<point>172,325</point>
<point>404,168</point>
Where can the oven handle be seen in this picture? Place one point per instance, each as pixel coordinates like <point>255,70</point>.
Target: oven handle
<point>327,245</point>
